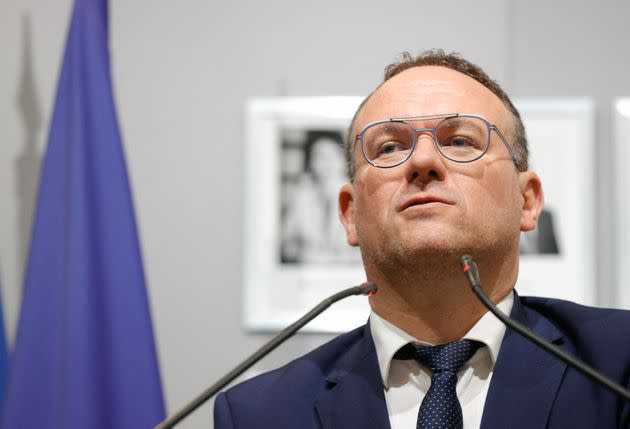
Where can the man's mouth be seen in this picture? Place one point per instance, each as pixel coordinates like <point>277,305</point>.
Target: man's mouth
<point>423,200</point>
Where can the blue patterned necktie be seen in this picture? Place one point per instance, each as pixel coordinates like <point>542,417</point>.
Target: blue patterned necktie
<point>440,407</point>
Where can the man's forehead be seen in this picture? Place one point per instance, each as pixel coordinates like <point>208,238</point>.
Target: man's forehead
<point>429,90</point>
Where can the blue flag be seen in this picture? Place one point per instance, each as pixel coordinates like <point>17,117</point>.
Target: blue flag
<point>84,356</point>
<point>4,355</point>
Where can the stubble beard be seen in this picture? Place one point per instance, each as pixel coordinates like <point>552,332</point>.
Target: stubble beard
<point>416,261</point>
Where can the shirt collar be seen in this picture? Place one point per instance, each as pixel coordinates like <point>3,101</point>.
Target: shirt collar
<point>388,338</point>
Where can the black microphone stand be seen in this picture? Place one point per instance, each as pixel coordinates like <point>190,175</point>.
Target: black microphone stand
<point>364,289</point>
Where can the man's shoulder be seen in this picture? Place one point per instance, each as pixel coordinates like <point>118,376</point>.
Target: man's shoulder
<point>588,328</point>
<point>288,396</point>
<point>307,372</point>
<point>569,314</point>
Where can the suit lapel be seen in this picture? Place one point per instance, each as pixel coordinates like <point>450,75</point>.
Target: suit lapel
<point>526,378</point>
<point>354,397</point>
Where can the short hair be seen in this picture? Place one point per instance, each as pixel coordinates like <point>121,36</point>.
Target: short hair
<point>453,61</point>
<point>316,136</point>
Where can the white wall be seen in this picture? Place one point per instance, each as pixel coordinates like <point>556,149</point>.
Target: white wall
<point>182,71</point>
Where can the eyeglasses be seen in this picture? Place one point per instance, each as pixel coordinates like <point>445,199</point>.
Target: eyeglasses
<point>458,137</point>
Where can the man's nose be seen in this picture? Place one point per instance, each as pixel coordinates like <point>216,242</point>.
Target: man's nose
<point>426,162</point>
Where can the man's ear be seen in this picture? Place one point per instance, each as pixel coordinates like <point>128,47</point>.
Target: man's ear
<point>346,213</point>
<point>532,194</point>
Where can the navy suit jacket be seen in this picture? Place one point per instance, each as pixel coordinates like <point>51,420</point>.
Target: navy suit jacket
<point>339,384</point>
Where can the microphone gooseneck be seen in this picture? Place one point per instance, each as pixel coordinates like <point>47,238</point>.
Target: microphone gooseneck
<point>364,289</point>
<point>472,274</point>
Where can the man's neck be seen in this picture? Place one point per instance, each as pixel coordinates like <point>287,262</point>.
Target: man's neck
<point>435,307</point>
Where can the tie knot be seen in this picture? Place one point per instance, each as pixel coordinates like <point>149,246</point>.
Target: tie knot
<point>445,357</point>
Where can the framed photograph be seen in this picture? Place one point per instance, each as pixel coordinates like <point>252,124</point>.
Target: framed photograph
<point>295,246</point>
<point>296,252</point>
<point>622,154</point>
<point>557,257</point>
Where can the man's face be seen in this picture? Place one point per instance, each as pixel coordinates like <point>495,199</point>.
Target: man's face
<point>430,205</point>
<point>327,159</point>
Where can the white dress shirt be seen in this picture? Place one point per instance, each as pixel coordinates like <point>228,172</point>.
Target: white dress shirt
<point>406,381</point>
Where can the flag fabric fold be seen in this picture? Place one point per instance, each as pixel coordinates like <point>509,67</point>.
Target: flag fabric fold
<point>84,355</point>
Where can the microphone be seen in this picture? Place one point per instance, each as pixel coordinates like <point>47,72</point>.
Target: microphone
<point>472,274</point>
<point>364,289</point>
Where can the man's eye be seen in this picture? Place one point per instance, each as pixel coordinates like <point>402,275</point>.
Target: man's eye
<point>390,147</point>
<point>459,142</point>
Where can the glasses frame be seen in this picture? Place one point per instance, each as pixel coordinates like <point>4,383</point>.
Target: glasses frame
<point>433,131</point>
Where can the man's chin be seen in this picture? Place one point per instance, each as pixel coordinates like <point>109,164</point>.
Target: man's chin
<point>428,253</point>
<point>434,241</point>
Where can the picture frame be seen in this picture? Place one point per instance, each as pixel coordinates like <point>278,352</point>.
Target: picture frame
<point>554,125</point>
<point>621,114</point>
<point>282,284</point>
<point>291,261</point>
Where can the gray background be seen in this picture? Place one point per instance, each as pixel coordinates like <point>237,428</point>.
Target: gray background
<point>182,71</point>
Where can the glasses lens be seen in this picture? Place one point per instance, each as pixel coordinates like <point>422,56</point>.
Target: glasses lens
<point>388,143</point>
<point>462,138</point>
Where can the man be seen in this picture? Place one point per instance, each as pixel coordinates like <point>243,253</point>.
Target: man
<point>438,166</point>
